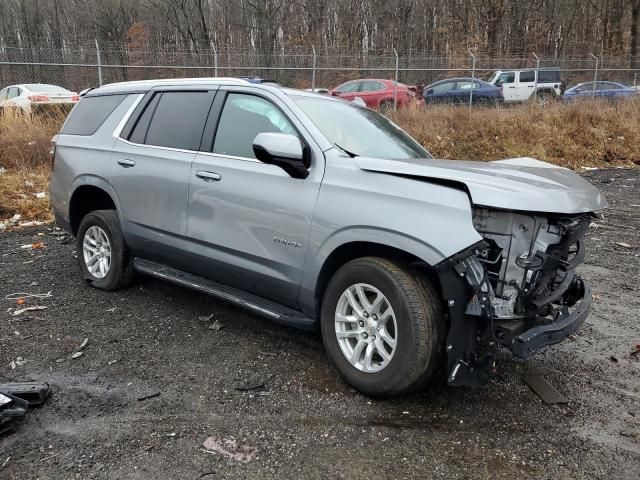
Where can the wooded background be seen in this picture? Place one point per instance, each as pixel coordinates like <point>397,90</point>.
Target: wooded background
<point>499,28</point>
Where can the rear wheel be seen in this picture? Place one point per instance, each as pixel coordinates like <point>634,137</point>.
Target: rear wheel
<point>103,256</point>
<point>382,326</point>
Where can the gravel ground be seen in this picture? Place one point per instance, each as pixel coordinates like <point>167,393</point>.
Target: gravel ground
<point>305,423</point>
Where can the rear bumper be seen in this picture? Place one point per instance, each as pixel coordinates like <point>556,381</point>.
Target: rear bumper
<point>525,343</point>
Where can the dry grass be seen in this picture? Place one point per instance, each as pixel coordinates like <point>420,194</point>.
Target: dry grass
<point>586,134</point>
<point>582,134</point>
<point>24,154</point>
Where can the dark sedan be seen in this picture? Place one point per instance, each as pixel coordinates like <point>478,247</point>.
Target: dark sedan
<point>458,90</point>
<point>610,90</point>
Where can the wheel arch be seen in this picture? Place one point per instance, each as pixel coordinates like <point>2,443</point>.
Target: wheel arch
<point>87,198</point>
<point>311,297</point>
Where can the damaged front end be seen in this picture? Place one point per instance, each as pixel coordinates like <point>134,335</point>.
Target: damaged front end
<point>517,289</point>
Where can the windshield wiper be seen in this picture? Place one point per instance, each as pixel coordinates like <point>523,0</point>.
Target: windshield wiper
<point>351,154</point>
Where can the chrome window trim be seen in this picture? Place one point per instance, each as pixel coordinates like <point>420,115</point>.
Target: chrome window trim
<point>125,118</point>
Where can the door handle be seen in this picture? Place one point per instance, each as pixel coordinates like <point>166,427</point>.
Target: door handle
<point>126,163</point>
<point>208,176</point>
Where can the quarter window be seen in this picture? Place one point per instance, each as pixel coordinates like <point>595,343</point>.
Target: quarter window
<point>90,112</point>
<point>243,118</point>
<point>178,120</point>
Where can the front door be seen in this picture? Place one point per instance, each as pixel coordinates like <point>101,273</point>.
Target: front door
<point>248,221</point>
<point>509,89</point>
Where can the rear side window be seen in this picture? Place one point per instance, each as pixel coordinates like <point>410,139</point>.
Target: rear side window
<point>371,86</point>
<point>90,113</point>
<point>178,120</point>
<point>528,76</point>
<point>548,76</point>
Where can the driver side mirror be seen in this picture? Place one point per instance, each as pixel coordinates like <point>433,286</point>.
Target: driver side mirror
<point>283,150</point>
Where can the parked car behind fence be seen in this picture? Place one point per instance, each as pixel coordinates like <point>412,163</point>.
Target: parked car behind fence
<point>376,93</point>
<point>462,90</point>
<point>610,90</point>
<point>522,85</point>
<point>36,98</point>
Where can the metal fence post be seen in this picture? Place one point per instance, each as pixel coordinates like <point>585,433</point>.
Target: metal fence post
<point>313,71</point>
<point>395,87</point>
<point>99,62</point>
<point>215,60</point>
<point>595,76</point>
<point>635,78</point>
<point>535,82</point>
<point>473,76</point>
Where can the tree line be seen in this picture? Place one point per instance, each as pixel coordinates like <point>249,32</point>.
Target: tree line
<point>557,28</point>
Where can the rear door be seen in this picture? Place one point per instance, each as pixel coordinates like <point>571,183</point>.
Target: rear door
<point>526,84</point>
<point>248,221</point>
<point>151,163</point>
<point>372,92</point>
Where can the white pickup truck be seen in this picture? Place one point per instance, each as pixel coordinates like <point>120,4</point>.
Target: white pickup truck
<point>520,85</point>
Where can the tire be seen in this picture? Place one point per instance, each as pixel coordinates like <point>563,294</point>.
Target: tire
<point>120,272</point>
<point>419,327</point>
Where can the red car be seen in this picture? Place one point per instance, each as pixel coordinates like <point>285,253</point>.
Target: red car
<point>376,93</point>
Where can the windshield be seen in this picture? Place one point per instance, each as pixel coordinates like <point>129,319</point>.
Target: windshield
<point>359,131</point>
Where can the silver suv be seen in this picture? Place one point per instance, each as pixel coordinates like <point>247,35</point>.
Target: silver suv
<point>315,212</point>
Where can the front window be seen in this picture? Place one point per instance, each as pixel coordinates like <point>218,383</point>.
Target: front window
<point>243,118</point>
<point>358,130</point>
<point>348,87</point>
<point>508,77</point>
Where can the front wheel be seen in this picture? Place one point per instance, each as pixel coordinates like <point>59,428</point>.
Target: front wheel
<point>382,326</point>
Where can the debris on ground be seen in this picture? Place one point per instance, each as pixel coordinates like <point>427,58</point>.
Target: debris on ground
<point>18,362</point>
<point>251,386</point>
<point>16,399</point>
<point>228,447</point>
<point>614,359</point>
<point>636,352</point>
<point>20,311</point>
<point>217,326</point>
<point>40,195</point>
<point>33,246</point>
<point>83,344</point>
<point>147,397</point>
<point>547,392</point>
<point>206,318</point>
<point>76,355</point>
<point>623,245</point>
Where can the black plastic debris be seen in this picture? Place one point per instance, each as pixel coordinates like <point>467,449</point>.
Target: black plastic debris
<point>16,399</point>
<point>544,389</point>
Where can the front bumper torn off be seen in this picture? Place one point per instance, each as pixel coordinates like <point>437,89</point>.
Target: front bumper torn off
<point>567,323</point>
<point>476,332</point>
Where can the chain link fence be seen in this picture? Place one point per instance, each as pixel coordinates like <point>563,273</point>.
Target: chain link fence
<point>84,67</point>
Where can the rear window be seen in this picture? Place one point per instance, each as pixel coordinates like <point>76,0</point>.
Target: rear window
<point>549,76</point>
<point>90,113</point>
<point>45,88</point>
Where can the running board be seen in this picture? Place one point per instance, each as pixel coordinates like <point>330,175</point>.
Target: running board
<point>256,304</point>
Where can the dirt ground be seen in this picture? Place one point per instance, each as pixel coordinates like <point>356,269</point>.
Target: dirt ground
<point>305,422</point>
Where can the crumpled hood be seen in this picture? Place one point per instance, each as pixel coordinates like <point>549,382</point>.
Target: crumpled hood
<point>522,184</point>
